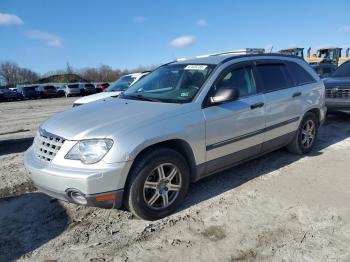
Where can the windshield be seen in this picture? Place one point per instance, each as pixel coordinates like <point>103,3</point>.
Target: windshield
<point>174,83</point>
<point>121,84</point>
<point>343,70</point>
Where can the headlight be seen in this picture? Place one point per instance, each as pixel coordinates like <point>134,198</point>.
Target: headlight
<point>90,151</point>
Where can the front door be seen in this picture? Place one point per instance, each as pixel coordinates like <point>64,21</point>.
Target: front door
<point>234,130</point>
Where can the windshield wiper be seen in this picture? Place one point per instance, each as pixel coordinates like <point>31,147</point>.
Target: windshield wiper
<point>143,98</point>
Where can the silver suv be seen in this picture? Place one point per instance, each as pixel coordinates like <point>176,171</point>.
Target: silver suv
<point>182,122</point>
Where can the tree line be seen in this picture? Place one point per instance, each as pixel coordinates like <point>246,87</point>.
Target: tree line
<point>11,74</point>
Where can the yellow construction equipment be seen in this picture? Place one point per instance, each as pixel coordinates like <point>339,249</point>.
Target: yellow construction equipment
<point>327,55</point>
<point>345,58</point>
<point>296,51</point>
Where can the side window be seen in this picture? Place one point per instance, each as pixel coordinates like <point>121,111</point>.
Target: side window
<point>240,78</point>
<point>272,77</point>
<point>300,76</point>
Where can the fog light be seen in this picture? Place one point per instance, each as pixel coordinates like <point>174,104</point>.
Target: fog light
<point>77,197</point>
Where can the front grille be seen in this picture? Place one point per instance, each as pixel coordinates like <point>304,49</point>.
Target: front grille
<point>47,145</point>
<point>337,93</point>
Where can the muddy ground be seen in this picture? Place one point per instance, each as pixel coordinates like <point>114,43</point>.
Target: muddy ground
<point>280,207</point>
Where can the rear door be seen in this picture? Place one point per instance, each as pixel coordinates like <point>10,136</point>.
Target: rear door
<point>234,130</point>
<point>282,103</point>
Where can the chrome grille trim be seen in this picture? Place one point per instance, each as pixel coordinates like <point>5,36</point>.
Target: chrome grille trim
<point>46,145</point>
<point>338,93</point>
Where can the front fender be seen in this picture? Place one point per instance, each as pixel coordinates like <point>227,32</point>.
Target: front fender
<point>188,127</point>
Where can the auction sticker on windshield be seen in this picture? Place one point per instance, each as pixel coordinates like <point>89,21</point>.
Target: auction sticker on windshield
<point>195,67</point>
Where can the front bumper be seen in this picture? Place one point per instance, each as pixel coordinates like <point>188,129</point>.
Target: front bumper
<point>338,104</point>
<point>323,112</point>
<point>73,92</point>
<point>58,181</point>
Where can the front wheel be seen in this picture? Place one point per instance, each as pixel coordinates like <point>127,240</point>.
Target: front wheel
<point>157,185</point>
<point>306,135</point>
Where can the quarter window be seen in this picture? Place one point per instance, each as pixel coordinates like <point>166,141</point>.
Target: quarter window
<point>240,78</point>
<point>272,77</point>
<point>300,76</point>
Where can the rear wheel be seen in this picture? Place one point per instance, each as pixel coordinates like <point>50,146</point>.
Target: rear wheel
<point>306,136</point>
<point>158,184</point>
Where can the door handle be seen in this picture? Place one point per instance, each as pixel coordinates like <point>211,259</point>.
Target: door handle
<point>296,94</point>
<point>257,105</point>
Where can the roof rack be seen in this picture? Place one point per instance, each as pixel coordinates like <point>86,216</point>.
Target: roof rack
<point>244,51</point>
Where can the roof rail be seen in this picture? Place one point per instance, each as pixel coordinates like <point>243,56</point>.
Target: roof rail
<point>244,51</point>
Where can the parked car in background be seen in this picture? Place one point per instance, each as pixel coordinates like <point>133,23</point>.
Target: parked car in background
<point>324,70</point>
<point>14,89</point>
<point>338,89</point>
<point>72,90</point>
<point>184,121</point>
<point>115,89</point>
<point>87,89</point>
<point>7,94</point>
<point>27,92</point>
<point>69,90</point>
<point>61,90</point>
<point>101,87</point>
<point>44,91</point>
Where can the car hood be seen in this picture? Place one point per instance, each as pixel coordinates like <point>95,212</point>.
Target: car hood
<point>339,82</point>
<point>110,117</point>
<point>95,97</point>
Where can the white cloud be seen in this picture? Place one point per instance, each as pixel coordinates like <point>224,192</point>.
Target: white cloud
<point>202,23</point>
<point>9,19</point>
<point>344,29</point>
<point>140,19</point>
<point>183,41</point>
<point>50,39</point>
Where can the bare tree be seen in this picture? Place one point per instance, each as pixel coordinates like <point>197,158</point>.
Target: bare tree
<point>12,74</point>
<point>102,74</point>
<point>106,73</point>
<point>90,74</point>
<point>27,76</point>
<point>8,72</point>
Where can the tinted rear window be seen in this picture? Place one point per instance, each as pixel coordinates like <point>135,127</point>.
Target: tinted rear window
<point>300,76</point>
<point>29,88</point>
<point>73,86</point>
<point>272,77</point>
<point>89,85</point>
<point>49,88</point>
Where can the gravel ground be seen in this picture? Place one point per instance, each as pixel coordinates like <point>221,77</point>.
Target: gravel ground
<point>18,124</point>
<point>279,207</point>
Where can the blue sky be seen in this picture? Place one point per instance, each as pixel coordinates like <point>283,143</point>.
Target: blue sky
<point>44,35</point>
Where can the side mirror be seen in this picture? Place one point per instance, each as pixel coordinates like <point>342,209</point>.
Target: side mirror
<point>224,94</point>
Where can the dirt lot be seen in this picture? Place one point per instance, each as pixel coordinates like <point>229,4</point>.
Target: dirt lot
<point>279,207</point>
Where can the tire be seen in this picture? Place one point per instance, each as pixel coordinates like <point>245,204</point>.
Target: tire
<point>148,200</point>
<point>304,140</point>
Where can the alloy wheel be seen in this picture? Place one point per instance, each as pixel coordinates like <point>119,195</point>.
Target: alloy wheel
<point>162,186</point>
<point>308,133</point>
